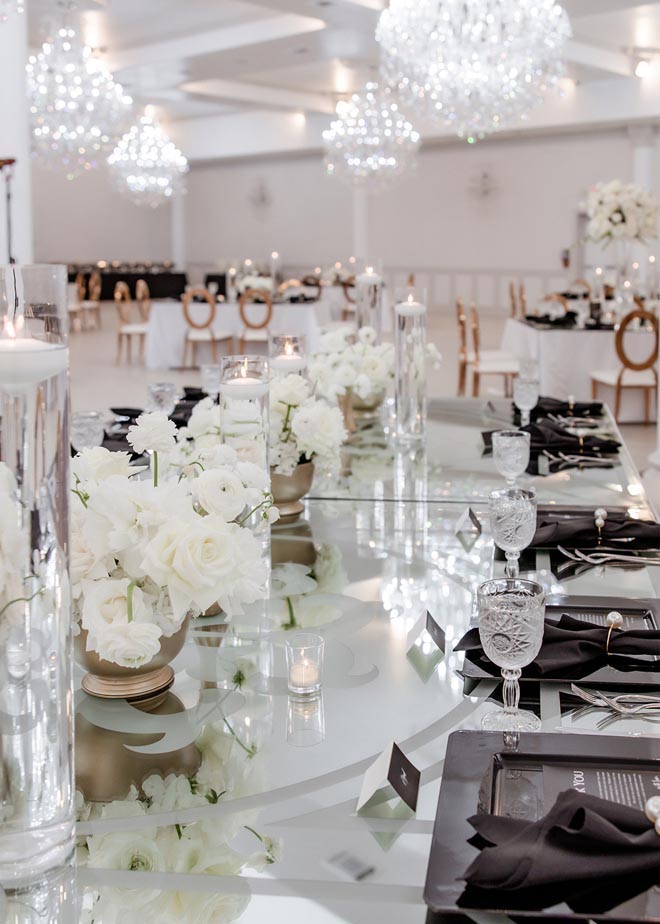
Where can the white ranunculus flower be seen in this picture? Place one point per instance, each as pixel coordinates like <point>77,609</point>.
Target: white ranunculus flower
<point>319,431</point>
<point>152,433</point>
<point>204,420</point>
<point>129,645</point>
<point>290,390</point>
<point>97,464</point>
<point>106,604</point>
<point>220,491</point>
<point>132,850</point>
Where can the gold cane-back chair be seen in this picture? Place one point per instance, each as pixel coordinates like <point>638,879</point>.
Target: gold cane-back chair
<point>493,362</point>
<point>641,375</point>
<point>513,299</point>
<point>202,332</point>
<point>143,299</point>
<point>91,305</point>
<point>128,330</point>
<point>252,332</point>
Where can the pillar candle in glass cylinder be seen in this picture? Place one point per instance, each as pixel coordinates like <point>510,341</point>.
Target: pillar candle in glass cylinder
<point>244,410</point>
<point>36,733</point>
<point>287,354</point>
<point>369,289</point>
<point>410,348</point>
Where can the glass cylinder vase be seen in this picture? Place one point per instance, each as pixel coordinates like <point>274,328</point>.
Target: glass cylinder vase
<point>369,290</point>
<point>36,732</point>
<point>244,409</point>
<point>410,346</point>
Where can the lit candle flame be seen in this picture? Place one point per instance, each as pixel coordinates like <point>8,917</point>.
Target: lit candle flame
<point>370,271</point>
<point>9,328</point>
<point>288,348</point>
<point>411,299</point>
<point>244,368</point>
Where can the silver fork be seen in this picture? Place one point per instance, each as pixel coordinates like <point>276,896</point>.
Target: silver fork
<point>616,702</point>
<point>604,558</point>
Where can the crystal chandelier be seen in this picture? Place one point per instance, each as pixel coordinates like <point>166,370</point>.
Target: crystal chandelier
<point>370,140</point>
<point>475,66</point>
<point>147,165</point>
<point>7,7</point>
<point>77,109</point>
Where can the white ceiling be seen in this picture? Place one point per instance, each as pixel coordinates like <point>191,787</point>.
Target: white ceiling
<point>202,59</point>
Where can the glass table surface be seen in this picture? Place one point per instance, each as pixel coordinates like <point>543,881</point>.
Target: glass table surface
<point>232,799</point>
<point>453,466</point>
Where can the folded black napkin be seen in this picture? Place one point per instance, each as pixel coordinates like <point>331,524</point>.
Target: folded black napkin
<point>547,406</point>
<point>194,393</point>
<point>591,853</point>
<point>565,320</point>
<point>573,648</point>
<point>577,532</point>
<point>131,413</point>
<point>547,435</point>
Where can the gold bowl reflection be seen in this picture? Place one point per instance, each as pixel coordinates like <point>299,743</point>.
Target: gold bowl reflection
<point>287,490</point>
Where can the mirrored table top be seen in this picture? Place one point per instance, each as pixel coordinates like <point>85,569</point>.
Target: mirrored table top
<point>231,799</point>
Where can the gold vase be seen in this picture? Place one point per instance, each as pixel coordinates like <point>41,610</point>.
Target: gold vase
<point>106,764</point>
<point>367,407</point>
<point>145,685</point>
<point>287,490</point>
<point>346,407</point>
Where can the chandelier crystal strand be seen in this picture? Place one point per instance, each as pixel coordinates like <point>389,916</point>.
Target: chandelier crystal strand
<point>9,7</point>
<point>147,165</point>
<point>77,109</point>
<point>474,66</point>
<point>370,140</point>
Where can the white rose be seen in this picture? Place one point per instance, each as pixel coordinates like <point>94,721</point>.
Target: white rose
<point>133,851</point>
<point>98,463</point>
<point>220,491</point>
<point>205,419</point>
<point>152,433</point>
<point>130,645</point>
<point>106,604</point>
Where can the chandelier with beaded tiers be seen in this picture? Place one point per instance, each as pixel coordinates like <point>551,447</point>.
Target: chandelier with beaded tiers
<point>370,141</point>
<point>148,167</point>
<point>78,111</point>
<point>474,66</point>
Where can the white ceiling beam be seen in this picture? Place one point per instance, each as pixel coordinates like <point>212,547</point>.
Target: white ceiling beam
<point>255,95</point>
<point>613,62</point>
<point>215,40</point>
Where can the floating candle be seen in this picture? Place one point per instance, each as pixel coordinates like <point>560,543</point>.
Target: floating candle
<point>26,361</point>
<point>410,308</point>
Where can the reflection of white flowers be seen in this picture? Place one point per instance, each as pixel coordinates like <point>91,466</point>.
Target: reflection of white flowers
<point>304,590</point>
<point>13,553</point>
<point>621,211</point>
<point>302,428</point>
<point>152,433</point>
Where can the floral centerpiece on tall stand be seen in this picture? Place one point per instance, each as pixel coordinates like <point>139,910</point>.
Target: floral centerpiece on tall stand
<point>148,554</point>
<point>624,213</point>
<point>304,430</point>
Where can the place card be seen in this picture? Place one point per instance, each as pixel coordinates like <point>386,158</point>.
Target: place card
<point>390,775</point>
<point>468,529</point>
<point>425,646</point>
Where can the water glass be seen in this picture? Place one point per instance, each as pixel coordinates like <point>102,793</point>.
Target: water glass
<point>511,620</point>
<point>513,523</point>
<point>211,378</point>
<point>162,397</point>
<point>525,396</point>
<point>87,430</point>
<point>304,660</point>
<point>511,453</point>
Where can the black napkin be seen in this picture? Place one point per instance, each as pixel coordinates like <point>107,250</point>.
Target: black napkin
<point>194,393</point>
<point>131,413</point>
<point>573,648</point>
<point>565,320</point>
<point>547,406</point>
<point>547,435</point>
<point>577,532</point>
<point>591,853</point>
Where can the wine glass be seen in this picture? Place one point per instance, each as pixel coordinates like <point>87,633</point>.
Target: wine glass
<point>511,619</point>
<point>211,378</point>
<point>511,453</point>
<point>162,397</point>
<point>513,523</point>
<point>525,396</point>
<point>87,430</point>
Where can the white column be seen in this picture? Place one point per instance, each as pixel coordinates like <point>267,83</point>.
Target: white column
<point>360,224</point>
<point>178,231</point>
<point>15,139</point>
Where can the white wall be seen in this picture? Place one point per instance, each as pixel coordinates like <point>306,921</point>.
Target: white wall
<point>86,219</point>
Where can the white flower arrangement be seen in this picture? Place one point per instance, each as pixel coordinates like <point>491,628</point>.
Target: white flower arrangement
<point>145,555</point>
<point>254,282</point>
<point>303,428</point>
<point>621,211</point>
<point>349,361</point>
<point>217,846</point>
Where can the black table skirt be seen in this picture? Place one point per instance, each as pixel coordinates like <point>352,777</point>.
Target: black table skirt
<point>161,285</point>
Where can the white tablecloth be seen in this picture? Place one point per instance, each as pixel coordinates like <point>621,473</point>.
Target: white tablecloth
<point>566,359</point>
<point>167,325</point>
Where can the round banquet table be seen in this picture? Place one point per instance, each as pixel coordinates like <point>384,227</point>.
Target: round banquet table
<point>566,359</point>
<point>167,325</point>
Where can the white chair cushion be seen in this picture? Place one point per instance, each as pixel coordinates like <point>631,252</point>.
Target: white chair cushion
<point>133,329</point>
<point>206,335</point>
<point>503,368</point>
<point>492,356</point>
<point>88,304</point>
<point>256,336</point>
<point>631,378</point>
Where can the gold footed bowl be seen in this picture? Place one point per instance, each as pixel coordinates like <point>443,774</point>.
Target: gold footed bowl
<point>287,490</point>
<point>367,407</point>
<point>146,685</point>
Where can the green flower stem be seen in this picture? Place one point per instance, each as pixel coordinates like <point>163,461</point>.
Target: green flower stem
<point>155,469</point>
<point>291,624</point>
<point>20,600</point>
<point>250,751</point>
<point>129,600</point>
<point>267,502</point>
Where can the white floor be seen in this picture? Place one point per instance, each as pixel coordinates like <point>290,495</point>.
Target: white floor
<point>97,383</point>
